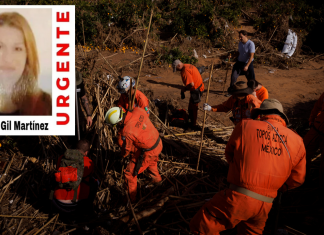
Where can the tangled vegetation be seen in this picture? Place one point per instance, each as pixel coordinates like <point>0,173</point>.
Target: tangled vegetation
<point>199,18</point>
<point>207,21</point>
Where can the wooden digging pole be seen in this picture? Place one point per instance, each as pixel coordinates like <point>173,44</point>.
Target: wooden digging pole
<point>139,72</point>
<point>229,59</point>
<point>205,113</point>
<point>130,97</point>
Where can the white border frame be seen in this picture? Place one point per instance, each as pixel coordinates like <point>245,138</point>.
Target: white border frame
<point>53,127</point>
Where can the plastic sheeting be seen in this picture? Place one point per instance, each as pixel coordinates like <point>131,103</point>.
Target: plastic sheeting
<point>290,44</point>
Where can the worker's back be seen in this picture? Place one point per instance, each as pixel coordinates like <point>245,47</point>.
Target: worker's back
<point>259,161</point>
<point>139,129</point>
<point>140,101</point>
<point>189,74</point>
<point>262,94</point>
<point>65,195</point>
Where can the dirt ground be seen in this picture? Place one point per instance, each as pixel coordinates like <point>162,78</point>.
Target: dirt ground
<point>296,88</point>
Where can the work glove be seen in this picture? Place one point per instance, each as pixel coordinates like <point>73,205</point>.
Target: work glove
<point>207,107</point>
<point>182,95</point>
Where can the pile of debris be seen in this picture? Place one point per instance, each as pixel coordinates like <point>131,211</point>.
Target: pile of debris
<point>167,208</point>
<point>26,172</point>
<point>25,184</point>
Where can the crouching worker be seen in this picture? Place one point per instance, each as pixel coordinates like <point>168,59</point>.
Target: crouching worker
<point>264,157</point>
<point>192,81</point>
<point>140,141</point>
<point>314,139</point>
<point>242,102</point>
<point>124,89</point>
<point>75,188</point>
<point>259,91</point>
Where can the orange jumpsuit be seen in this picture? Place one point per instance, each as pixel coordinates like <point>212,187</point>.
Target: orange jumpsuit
<point>241,109</point>
<point>314,138</point>
<point>140,101</point>
<point>262,94</point>
<point>259,162</point>
<point>190,74</point>
<point>84,188</point>
<point>139,133</point>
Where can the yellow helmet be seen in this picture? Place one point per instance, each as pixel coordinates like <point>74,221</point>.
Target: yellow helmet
<point>114,115</point>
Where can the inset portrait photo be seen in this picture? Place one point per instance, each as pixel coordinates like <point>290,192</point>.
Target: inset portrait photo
<point>25,61</point>
<point>37,70</point>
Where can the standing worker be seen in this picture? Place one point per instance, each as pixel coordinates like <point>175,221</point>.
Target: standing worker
<point>314,138</point>
<point>123,88</point>
<point>264,157</point>
<point>81,94</point>
<point>192,81</point>
<point>242,102</point>
<point>259,91</point>
<point>244,64</point>
<point>139,140</point>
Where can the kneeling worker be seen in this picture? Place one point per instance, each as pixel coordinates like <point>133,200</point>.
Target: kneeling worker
<point>75,195</point>
<point>139,140</point>
<point>264,157</point>
<point>259,91</point>
<point>241,102</point>
<point>314,139</point>
<point>124,89</point>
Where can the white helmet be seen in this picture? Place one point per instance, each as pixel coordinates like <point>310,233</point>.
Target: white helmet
<point>124,84</point>
<point>114,115</point>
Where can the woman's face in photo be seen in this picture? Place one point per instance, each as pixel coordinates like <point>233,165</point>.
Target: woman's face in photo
<point>13,56</point>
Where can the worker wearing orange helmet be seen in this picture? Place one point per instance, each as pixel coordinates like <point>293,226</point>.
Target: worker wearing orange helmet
<point>192,81</point>
<point>140,141</point>
<point>242,102</point>
<point>264,157</point>
<point>314,138</point>
<point>123,88</point>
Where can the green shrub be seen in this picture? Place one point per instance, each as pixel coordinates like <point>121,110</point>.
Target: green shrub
<point>303,15</point>
<point>199,18</point>
<point>168,56</point>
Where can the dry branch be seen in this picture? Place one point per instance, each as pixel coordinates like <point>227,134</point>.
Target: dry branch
<point>136,30</point>
<point>46,224</point>
<point>150,211</point>
<point>134,215</point>
<point>205,112</point>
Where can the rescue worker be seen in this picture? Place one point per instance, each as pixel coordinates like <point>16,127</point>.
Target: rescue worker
<point>85,102</point>
<point>140,141</point>
<point>260,163</point>
<point>314,138</point>
<point>259,91</point>
<point>124,89</point>
<point>242,102</point>
<point>86,191</point>
<point>192,81</point>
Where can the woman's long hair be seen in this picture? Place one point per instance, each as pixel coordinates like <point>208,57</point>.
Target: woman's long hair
<point>27,85</point>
